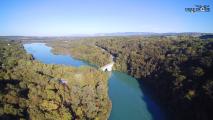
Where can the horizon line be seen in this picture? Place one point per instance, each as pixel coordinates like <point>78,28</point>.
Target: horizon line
<point>104,34</point>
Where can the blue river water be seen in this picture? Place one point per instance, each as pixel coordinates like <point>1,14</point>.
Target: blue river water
<point>128,100</point>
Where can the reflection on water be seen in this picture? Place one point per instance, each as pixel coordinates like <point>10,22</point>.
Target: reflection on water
<point>43,53</point>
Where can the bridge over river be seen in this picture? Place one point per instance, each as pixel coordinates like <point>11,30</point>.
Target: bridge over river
<point>107,67</point>
<point>129,102</point>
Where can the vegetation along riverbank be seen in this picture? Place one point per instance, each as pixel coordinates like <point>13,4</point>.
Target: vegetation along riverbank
<point>32,90</point>
<point>176,69</point>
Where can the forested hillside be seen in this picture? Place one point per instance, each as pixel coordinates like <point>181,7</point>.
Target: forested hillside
<point>178,70</point>
<point>36,91</point>
<point>83,49</point>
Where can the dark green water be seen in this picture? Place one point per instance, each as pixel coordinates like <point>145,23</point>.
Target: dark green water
<point>128,100</point>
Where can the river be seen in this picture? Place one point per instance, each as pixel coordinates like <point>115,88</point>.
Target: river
<point>128,100</point>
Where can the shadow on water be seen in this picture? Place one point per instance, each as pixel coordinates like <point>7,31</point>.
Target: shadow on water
<point>130,101</point>
<point>154,107</point>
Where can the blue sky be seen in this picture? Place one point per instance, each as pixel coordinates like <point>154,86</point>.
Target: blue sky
<point>68,17</point>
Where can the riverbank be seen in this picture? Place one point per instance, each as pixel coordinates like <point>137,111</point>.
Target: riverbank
<point>43,91</point>
<point>138,106</point>
<point>82,50</point>
<point>177,72</point>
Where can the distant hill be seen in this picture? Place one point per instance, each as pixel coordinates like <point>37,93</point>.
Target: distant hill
<point>206,36</point>
<point>126,34</point>
<point>79,36</point>
<point>151,34</point>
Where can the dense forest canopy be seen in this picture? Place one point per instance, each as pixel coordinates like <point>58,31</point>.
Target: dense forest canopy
<point>32,90</point>
<point>177,69</point>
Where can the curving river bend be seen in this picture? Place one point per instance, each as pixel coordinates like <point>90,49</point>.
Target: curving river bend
<point>128,100</point>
